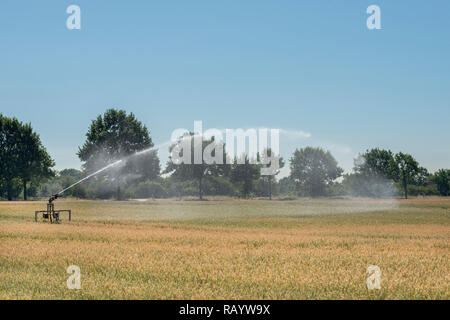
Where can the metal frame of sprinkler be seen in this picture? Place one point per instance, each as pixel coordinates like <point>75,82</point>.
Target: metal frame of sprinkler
<point>51,214</point>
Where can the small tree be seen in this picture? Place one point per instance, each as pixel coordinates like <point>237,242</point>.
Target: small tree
<point>442,180</point>
<point>314,169</point>
<point>373,174</point>
<point>405,170</point>
<point>268,158</point>
<point>188,169</point>
<point>244,173</point>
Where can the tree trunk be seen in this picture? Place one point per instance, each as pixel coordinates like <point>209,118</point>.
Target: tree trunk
<point>118,193</point>
<point>25,190</point>
<point>200,190</point>
<point>9,190</point>
<point>405,188</point>
<point>270,188</point>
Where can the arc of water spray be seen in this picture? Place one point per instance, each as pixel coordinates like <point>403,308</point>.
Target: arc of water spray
<point>91,175</point>
<point>113,165</point>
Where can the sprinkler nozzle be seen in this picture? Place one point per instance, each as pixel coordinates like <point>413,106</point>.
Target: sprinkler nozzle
<point>52,198</point>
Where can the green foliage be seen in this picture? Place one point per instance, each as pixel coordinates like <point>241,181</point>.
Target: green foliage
<point>9,169</point>
<point>49,188</point>
<point>314,169</point>
<point>34,162</point>
<point>415,190</point>
<point>267,161</point>
<point>373,177</point>
<point>442,180</point>
<point>243,175</point>
<point>375,163</point>
<point>101,189</point>
<point>219,186</point>
<point>76,174</point>
<point>189,168</point>
<point>79,191</point>
<point>147,189</point>
<point>405,170</point>
<point>10,190</point>
<point>266,186</point>
<point>288,186</point>
<point>179,189</point>
<point>33,189</point>
<point>336,189</point>
<point>22,157</point>
<point>421,178</point>
<point>114,136</point>
<point>361,185</point>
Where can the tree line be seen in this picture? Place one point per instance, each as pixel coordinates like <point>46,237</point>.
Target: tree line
<point>26,169</point>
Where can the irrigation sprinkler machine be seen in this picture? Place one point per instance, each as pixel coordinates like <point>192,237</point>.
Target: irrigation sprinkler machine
<point>51,214</point>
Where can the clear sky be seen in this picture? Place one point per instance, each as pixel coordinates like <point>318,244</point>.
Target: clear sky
<point>301,66</point>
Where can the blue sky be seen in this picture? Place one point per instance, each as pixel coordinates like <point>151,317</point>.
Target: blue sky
<point>309,66</point>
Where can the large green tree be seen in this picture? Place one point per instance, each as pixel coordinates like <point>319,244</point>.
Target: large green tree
<point>314,169</point>
<point>34,161</point>
<point>116,135</point>
<point>9,169</point>
<point>22,156</point>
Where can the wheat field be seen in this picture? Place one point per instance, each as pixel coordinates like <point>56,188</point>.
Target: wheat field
<point>228,249</point>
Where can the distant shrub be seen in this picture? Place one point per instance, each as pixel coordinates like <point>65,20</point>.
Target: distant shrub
<point>146,189</point>
<point>218,186</point>
<point>49,188</point>
<point>79,191</point>
<point>336,190</point>
<point>359,185</point>
<point>415,191</point>
<point>101,189</point>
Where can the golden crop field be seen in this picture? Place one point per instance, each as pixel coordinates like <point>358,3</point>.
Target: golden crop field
<point>228,249</point>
